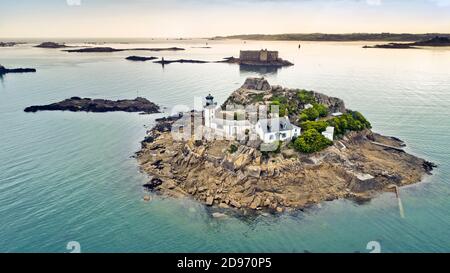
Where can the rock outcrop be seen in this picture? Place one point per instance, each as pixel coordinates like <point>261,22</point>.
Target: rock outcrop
<point>77,104</point>
<point>258,90</point>
<point>140,58</point>
<point>110,49</point>
<point>259,84</point>
<point>7,44</point>
<point>4,70</point>
<point>51,45</point>
<point>164,62</point>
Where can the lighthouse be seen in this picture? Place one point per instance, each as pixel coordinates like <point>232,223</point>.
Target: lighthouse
<point>209,110</point>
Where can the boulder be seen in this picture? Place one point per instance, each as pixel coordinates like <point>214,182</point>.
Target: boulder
<point>209,201</point>
<point>259,84</point>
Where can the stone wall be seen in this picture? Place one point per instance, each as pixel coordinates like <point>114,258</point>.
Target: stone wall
<point>258,55</point>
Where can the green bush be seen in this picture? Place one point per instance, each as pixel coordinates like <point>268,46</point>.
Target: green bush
<point>233,148</point>
<point>322,109</point>
<point>306,97</point>
<point>281,99</point>
<point>258,98</point>
<point>311,141</point>
<point>293,108</point>
<point>351,121</point>
<point>318,110</point>
<point>309,114</point>
<point>319,126</point>
<point>282,107</point>
<point>278,143</point>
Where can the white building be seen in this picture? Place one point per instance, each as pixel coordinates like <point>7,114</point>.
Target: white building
<point>228,128</point>
<point>268,130</point>
<point>308,106</point>
<point>231,128</point>
<point>209,110</point>
<point>329,133</point>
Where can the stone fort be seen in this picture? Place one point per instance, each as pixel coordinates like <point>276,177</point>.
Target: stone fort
<point>258,55</point>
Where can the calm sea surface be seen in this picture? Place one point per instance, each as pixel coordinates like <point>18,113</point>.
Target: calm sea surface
<point>70,176</point>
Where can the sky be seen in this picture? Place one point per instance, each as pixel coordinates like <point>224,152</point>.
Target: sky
<point>208,18</point>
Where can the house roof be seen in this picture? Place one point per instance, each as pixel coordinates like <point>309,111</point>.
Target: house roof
<point>270,126</point>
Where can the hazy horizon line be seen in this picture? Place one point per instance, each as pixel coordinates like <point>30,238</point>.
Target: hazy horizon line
<point>223,35</point>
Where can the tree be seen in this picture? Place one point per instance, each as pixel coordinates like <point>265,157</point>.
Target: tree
<point>322,109</point>
<point>311,141</point>
<point>319,126</point>
<point>309,114</point>
<point>351,121</point>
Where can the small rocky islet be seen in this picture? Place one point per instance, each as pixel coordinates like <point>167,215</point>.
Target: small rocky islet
<point>437,41</point>
<point>238,176</point>
<point>164,62</point>
<point>110,49</point>
<point>51,45</point>
<point>140,58</point>
<point>8,44</point>
<point>77,104</point>
<point>4,70</point>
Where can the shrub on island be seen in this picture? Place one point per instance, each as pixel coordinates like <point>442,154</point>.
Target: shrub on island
<point>322,109</point>
<point>306,97</point>
<point>282,108</point>
<point>319,126</point>
<point>233,148</point>
<point>351,121</point>
<point>310,114</point>
<point>311,141</point>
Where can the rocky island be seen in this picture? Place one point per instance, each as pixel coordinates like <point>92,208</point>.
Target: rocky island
<point>437,41</point>
<point>7,44</point>
<point>51,45</point>
<point>140,58</point>
<point>182,61</point>
<point>263,57</point>
<point>320,164</point>
<point>77,104</point>
<point>4,70</point>
<point>110,49</point>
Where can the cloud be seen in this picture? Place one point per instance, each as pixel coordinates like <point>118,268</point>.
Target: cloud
<point>441,3</point>
<point>73,2</point>
<point>374,2</point>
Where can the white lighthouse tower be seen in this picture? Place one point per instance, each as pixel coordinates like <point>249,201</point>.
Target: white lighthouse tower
<point>209,110</point>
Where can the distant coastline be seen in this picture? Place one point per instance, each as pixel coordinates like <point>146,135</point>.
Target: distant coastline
<point>324,37</point>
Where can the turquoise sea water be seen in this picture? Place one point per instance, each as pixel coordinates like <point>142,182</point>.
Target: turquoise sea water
<point>70,176</point>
